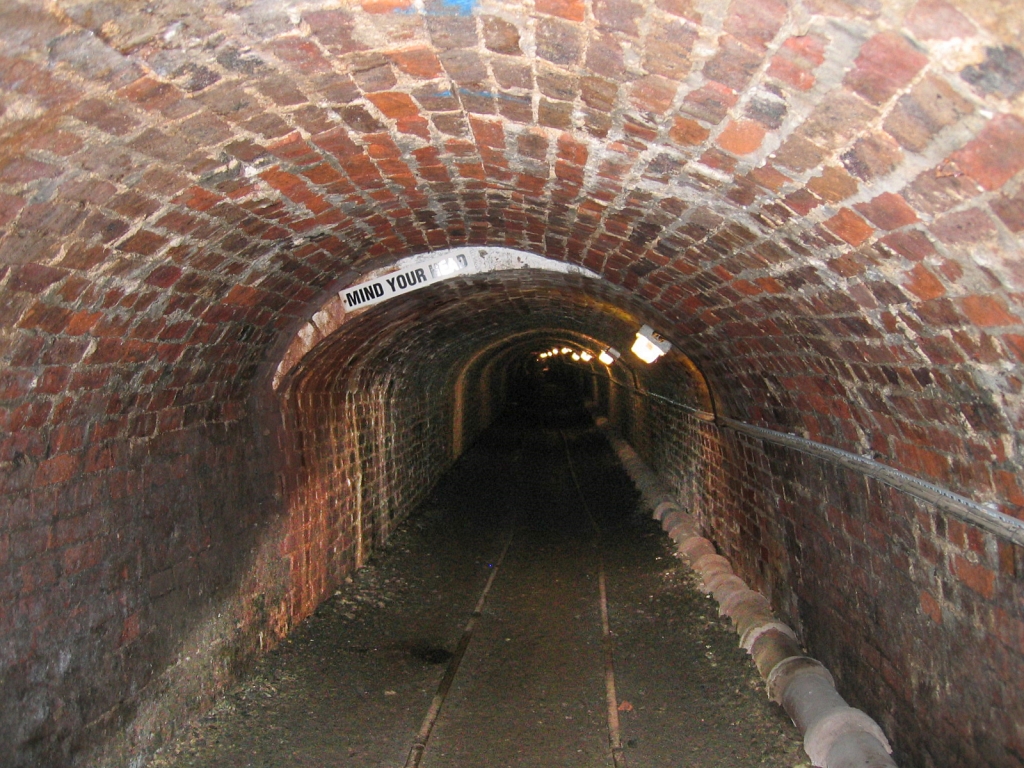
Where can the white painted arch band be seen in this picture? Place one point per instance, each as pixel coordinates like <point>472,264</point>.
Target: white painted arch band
<point>405,276</point>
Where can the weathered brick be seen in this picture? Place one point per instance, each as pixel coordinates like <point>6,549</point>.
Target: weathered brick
<point>741,137</point>
<point>996,154</point>
<point>1010,210</point>
<point>872,156</point>
<point>559,42</point>
<point>733,65</point>
<point>653,94</point>
<point>919,115</point>
<point>1001,73</point>
<point>938,20</point>
<point>923,284</point>
<point>667,52</point>
<point>833,185</point>
<point>886,63</point>
<point>967,226</point>
<point>619,15</point>
<point>887,211</point>
<point>849,226</point>
<point>710,102</point>
<point>987,312</point>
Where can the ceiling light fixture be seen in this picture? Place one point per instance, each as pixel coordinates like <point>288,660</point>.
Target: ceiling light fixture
<point>649,346</point>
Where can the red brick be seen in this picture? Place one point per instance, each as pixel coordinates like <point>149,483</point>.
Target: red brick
<point>886,63</point>
<point>938,20</point>
<point>741,137</point>
<point>9,207</point>
<point>912,244</point>
<point>968,226</point>
<point>82,557</point>
<point>488,133</point>
<point>420,61</point>
<point>653,93</point>
<point>769,178</point>
<point>849,226</point>
<point>59,469</point>
<point>23,169</point>
<point>300,52</point>
<point>1010,211</point>
<point>199,199</point>
<point>931,607</point>
<point>789,71</point>
<point>164,276</point>
<point>976,577</point>
<point>833,184</point>
<point>802,201</point>
<point>996,154</point>
<point>923,284</point>
<point>34,278</point>
<point>385,6</point>
<point>394,104</point>
<point>688,132</point>
<point>987,312</point>
<point>887,211</point>
<point>573,10</point>
<point>757,22</point>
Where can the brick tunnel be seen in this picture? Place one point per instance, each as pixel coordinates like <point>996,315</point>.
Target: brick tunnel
<point>213,410</point>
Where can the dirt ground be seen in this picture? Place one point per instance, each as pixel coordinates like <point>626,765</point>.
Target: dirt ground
<point>352,685</point>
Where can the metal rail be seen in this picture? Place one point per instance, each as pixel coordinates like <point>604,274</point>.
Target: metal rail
<point>984,516</point>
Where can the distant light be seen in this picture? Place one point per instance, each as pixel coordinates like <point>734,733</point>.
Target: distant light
<point>566,350</point>
<point>609,355</point>
<point>649,346</point>
<point>576,357</point>
<point>586,356</point>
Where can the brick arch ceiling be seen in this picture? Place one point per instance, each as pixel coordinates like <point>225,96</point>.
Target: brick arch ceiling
<point>433,335</point>
<point>820,198</point>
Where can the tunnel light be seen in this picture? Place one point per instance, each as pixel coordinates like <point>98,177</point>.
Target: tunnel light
<point>609,355</point>
<point>586,356</point>
<point>576,356</point>
<point>649,346</point>
<point>566,350</point>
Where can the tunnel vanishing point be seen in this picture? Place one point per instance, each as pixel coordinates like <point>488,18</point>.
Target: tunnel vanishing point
<point>819,203</point>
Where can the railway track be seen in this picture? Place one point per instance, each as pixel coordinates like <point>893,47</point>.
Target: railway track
<point>564,474</point>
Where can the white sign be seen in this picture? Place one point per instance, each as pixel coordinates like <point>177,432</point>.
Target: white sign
<point>409,279</point>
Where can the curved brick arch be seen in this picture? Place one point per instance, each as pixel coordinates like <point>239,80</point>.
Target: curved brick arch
<point>819,199</point>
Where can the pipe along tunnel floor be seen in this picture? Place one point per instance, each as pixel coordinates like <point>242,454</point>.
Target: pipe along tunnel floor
<point>530,683</point>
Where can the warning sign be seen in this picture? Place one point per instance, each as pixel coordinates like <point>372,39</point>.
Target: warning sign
<point>397,283</point>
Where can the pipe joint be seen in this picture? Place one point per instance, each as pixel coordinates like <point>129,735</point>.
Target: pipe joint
<point>824,735</point>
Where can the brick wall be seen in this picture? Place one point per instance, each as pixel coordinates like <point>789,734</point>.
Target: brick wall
<point>916,613</point>
<point>122,563</point>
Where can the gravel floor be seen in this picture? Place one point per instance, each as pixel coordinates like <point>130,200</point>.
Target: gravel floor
<point>352,685</point>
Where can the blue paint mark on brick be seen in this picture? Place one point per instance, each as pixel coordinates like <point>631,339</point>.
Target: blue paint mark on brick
<point>450,7</point>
